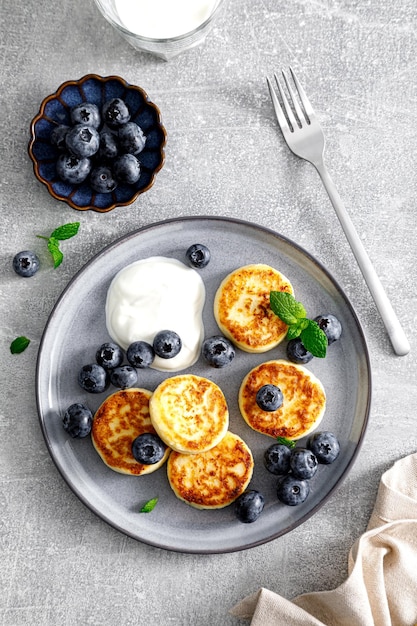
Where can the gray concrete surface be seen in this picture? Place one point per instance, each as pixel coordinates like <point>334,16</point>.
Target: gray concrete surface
<point>62,565</point>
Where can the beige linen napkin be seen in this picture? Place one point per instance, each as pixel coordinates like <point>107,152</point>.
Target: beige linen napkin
<point>381,589</point>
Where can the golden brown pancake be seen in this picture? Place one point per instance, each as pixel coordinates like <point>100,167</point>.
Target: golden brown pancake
<point>189,413</point>
<point>303,405</point>
<point>242,310</point>
<point>121,418</point>
<point>213,479</point>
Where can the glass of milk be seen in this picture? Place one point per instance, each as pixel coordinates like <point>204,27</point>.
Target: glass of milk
<point>164,28</point>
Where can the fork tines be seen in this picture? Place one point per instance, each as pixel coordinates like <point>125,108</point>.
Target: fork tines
<point>285,111</point>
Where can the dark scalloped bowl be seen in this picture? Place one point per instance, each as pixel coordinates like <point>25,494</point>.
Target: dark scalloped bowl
<point>55,110</point>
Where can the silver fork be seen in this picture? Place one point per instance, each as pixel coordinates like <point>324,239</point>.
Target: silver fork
<point>305,138</point>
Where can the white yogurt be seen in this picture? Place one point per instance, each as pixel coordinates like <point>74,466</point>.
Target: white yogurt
<point>155,294</point>
<point>163,19</point>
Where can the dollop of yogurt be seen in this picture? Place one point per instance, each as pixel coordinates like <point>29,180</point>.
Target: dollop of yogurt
<point>154,294</point>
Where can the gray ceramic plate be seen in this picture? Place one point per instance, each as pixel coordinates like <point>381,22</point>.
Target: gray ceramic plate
<point>77,327</point>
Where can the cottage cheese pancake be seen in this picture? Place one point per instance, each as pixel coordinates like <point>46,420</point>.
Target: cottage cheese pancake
<point>242,310</point>
<point>121,418</point>
<point>213,479</point>
<point>189,413</point>
<point>304,400</point>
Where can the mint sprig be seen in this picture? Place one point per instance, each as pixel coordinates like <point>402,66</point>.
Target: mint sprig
<point>286,442</point>
<point>293,313</point>
<point>19,344</point>
<point>66,231</point>
<point>149,505</point>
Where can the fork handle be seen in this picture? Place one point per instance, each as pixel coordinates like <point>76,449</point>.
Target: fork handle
<point>395,332</point>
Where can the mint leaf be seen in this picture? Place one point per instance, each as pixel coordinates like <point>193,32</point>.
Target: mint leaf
<point>314,339</point>
<point>149,505</point>
<point>286,307</point>
<point>66,231</point>
<point>286,442</point>
<point>53,247</point>
<point>19,344</point>
<point>296,329</point>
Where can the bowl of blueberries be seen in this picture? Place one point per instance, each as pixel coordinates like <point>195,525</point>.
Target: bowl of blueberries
<point>97,143</point>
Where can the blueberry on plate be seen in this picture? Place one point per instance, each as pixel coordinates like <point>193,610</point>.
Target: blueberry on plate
<point>167,344</point>
<point>124,376</point>
<point>131,138</point>
<point>325,446</point>
<point>292,491</point>
<point>330,325</point>
<point>78,420</point>
<point>93,378</point>
<point>277,459</point>
<point>303,463</point>
<point>126,169</point>
<point>148,449</point>
<point>140,354</point>
<point>72,169</point>
<point>25,263</point>
<point>218,351</point>
<point>58,136</point>
<point>269,398</point>
<point>102,179</point>
<point>297,353</point>
<point>115,112</point>
<point>198,255</point>
<point>108,145</point>
<point>86,113</point>
<point>109,355</point>
<point>249,505</point>
<point>82,140</point>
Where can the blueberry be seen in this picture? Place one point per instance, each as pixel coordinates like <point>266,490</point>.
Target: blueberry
<point>109,355</point>
<point>277,459</point>
<point>167,344</point>
<point>140,354</point>
<point>58,136</point>
<point>148,449</point>
<point>131,138</point>
<point>82,141</point>
<point>126,169</point>
<point>86,113</point>
<point>124,376</point>
<point>303,463</point>
<point>25,263</point>
<point>93,378</point>
<point>218,351</point>
<point>297,353</point>
<point>72,169</point>
<point>198,255</point>
<point>102,179</point>
<point>292,491</point>
<point>330,325</point>
<point>249,506</point>
<point>108,145</point>
<point>78,420</point>
<point>324,446</point>
<point>269,397</point>
<point>115,112</point>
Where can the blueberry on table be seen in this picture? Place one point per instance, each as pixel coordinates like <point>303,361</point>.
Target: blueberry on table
<point>72,169</point>
<point>218,351</point>
<point>303,463</point>
<point>148,449</point>
<point>325,446</point>
<point>102,179</point>
<point>297,353</point>
<point>126,169</point>
<point>124,376</point>
<point>78,420</point>
<point>249,505</point>
<point>58,136</point>
<point>292,491</point>
<point>140,354</point>
<point>131,138</point>
<point>330,325</point>
<point>167,344</point>
<point>93,378</point>
<point>115,112</point>
<point>109,355</point>
<point>198,255</point>
<point>277,459</point>
<point>86,113</point>
<point>269,398</point>
<point>25,263</point>
<point>82,140</point>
